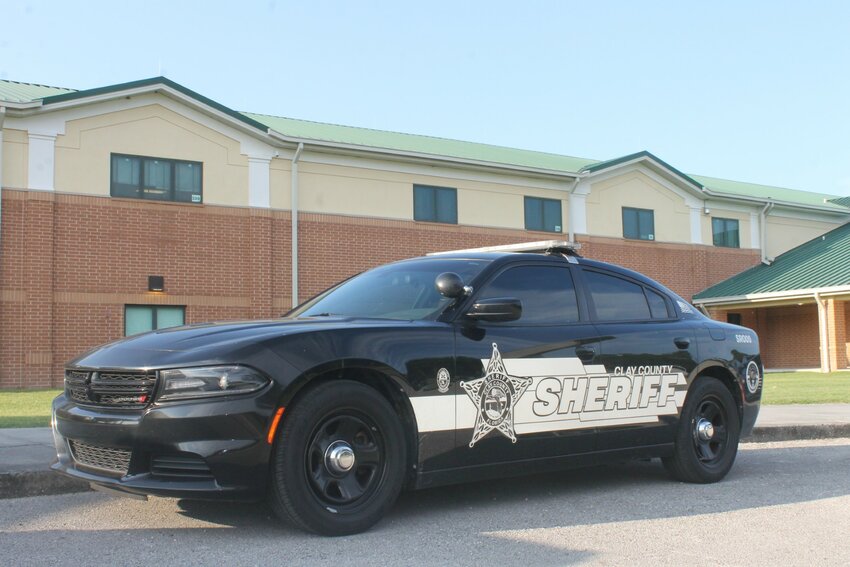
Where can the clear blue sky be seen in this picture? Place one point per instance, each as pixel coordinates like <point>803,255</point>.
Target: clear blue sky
<point>752,91</point>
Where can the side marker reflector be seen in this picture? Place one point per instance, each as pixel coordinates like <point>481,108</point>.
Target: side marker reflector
<point>275,421</point>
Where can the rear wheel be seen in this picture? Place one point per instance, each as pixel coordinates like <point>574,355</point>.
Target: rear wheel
<point>339,459</point>
<point>707,436</point>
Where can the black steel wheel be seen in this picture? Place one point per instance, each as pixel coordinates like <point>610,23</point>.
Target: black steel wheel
<point>339,459</point>
<point>345,458</point>
<point>707,435</point>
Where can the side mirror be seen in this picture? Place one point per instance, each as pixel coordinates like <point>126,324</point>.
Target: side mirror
<point>450,285</point>
<point>497,309</point>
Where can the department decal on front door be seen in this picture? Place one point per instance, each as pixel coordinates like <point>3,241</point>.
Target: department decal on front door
<point>495,396</point>
<point>520,396</point>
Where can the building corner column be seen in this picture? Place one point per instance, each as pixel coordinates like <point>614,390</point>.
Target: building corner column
<point>836,322</point>
<point>41,163</point>
<point>696,222</point>
<point>577,209</point>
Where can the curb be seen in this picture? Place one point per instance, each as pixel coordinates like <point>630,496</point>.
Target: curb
<point>38,483</point>
<point>46,482</point>
<point>770,434</point>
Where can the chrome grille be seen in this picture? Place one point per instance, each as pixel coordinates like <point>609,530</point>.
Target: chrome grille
<point>129,390</point>
<point>104,458</point>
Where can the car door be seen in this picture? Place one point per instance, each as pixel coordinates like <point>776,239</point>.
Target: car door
<point>512,373</point>
<point>647,351</point>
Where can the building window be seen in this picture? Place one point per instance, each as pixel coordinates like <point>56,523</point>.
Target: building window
<point>157,179</point>
<point>435,204</point>
<point>638,223</point>
<point>734,318</point>
<point>542,214</point>
<point>144,318</point>
<point>725,232</point>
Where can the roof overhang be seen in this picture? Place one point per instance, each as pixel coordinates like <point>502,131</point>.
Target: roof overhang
<point>774,298</point>
<point>651,162</point>
<point>168,88</point>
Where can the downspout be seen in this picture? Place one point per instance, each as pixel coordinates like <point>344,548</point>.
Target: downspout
<point>763,231</point>
<point>293,183</point>
<point>823,333</point>
<point>2,119</point>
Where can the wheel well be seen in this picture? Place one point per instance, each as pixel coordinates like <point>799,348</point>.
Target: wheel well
<point>728,380</point>
<point>390,391</point>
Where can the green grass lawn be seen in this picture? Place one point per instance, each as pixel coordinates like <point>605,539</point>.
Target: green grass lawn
<point>806,388</point>
<point>26,408</point>
<point>31,408</point>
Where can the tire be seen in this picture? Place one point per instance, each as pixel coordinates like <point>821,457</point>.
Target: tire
<point>705,457</point>
<point>315,483</point>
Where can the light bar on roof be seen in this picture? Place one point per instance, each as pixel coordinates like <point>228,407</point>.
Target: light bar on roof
<point>539,246</point>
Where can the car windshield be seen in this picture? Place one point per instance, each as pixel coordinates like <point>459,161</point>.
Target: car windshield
<point>404,290</point>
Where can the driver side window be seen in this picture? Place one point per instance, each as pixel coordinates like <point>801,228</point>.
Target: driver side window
<point>547,294</point>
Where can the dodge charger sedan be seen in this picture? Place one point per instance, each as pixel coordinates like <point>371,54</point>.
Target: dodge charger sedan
<point>447,368</point>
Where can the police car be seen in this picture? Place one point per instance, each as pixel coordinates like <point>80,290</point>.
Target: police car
<point>447,368</point>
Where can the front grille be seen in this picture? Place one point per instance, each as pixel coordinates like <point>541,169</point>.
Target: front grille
<point>181,466</point>
<point>129,390</point>
<point>104,458</point>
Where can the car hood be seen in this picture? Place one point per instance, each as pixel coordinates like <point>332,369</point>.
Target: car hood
<point>210,343</point>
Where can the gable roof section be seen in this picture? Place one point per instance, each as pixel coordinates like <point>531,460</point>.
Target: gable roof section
<point>823,262</point>
<point>843,201</point>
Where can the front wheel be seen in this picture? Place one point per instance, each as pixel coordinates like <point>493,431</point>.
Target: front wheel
<point>707,435</point>
<point>339,460</point>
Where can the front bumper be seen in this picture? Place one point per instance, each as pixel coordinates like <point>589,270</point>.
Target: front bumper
<point>202,449</point>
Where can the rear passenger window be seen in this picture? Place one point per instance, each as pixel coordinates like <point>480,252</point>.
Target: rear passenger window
<point>547,293</point>
<point>616,299</point>
<point>657,305</point>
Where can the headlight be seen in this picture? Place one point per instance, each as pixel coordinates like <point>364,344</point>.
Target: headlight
<point>207,381</point>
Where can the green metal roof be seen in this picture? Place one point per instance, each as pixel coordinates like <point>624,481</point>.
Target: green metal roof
<point>420,144</point>
<point>821,262</point>
<point>843,201</point>
<point>767,192</point>
<point>13,91</point>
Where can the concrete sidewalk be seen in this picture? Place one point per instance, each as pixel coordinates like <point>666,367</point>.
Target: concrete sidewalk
<point>26,454</point>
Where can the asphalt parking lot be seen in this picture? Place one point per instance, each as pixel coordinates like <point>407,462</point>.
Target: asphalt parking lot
<point>785,503</point>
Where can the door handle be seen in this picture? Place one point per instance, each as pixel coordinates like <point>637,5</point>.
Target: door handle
<point>585,353</point>
<point>682,342</point>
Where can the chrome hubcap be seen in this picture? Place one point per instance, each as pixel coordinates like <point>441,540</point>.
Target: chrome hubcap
<point>705,429</point>
<point>339,458</point>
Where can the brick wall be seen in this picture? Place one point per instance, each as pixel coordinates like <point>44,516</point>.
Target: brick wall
<point>69,264</point>
<point>788,335</point>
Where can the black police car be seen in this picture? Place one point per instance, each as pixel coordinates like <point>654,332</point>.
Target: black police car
<point>447,368</point>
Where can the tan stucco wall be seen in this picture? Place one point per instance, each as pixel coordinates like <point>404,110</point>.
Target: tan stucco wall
<point>784,233</point>
<point>15,156</point>
<point>325,188</point>
<point>744,225</point>
<point>83,152</point>
<point>607,198</point>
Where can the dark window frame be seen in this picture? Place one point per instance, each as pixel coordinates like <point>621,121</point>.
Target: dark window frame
<point>155,308</point>
<point>721,234</point>
<point>541,227</point>
<point>172,190</point>
<point>591,304</point>
<point>434,215</point>
<point>637,211</point>
<point>734,318</point>
<point>578,288</point>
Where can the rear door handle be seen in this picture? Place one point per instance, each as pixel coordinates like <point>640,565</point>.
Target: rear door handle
<point>682,342</point>
<point>585,353</point>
